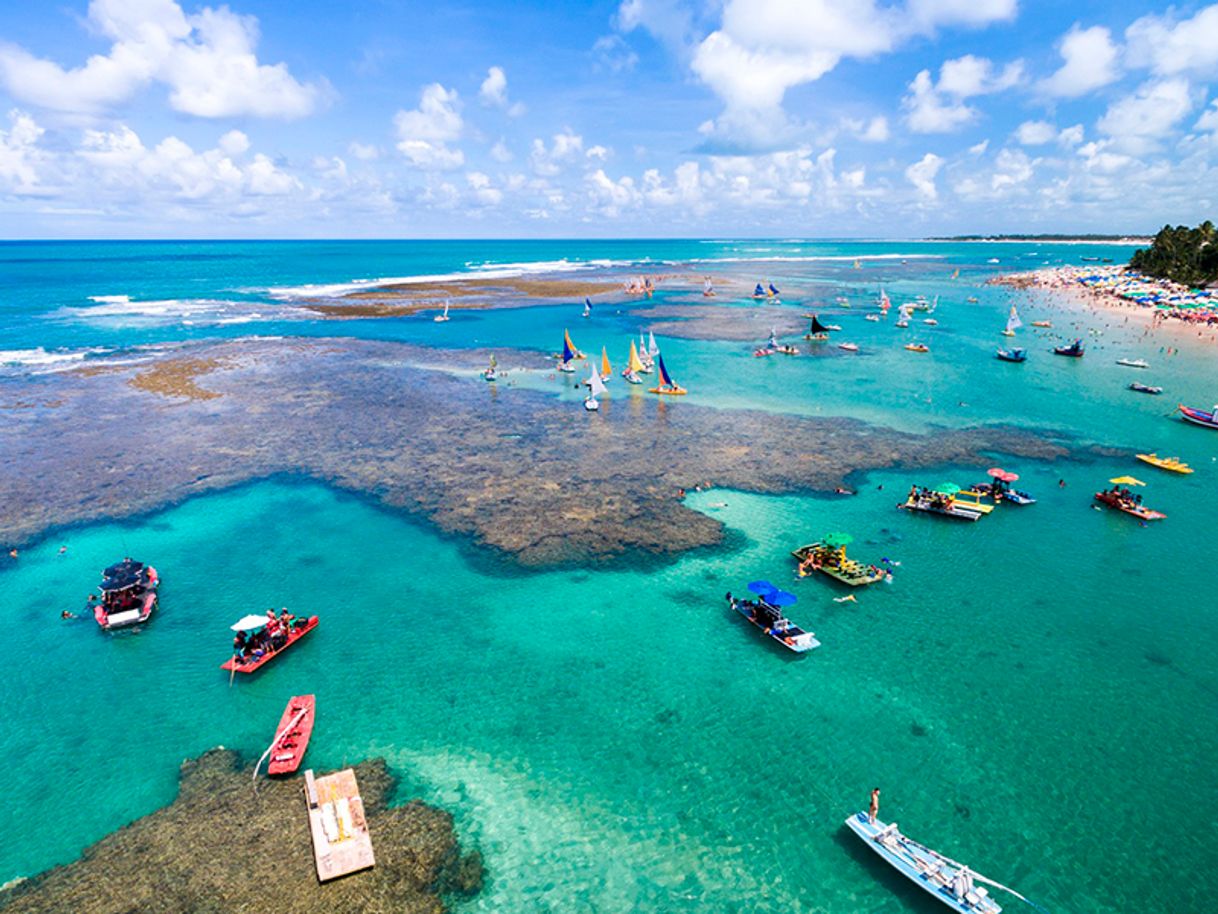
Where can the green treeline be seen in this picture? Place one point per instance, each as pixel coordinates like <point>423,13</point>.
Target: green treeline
<point>1185,255</point>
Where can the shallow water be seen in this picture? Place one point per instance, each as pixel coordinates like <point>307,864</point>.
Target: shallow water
<point>1033,692</point>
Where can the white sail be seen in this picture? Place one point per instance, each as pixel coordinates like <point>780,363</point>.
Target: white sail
<point>1013,321</point>
<point>652,349</point>
<point>597,385</point>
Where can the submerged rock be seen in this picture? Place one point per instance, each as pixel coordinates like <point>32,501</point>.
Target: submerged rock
<point>222,847</point>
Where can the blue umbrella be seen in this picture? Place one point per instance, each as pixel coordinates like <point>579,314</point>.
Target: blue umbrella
<point>762,587</point>
<point>781,598</point>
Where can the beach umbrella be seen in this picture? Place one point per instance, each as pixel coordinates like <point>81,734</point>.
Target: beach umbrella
<point>996,472</point>
<point>947,488</point>
<point>1126,481</point>
<point>837,540</point>
<point>248,623</point>
<point>781,598</point>
<point>762,587</point>
<point>1009,477</point>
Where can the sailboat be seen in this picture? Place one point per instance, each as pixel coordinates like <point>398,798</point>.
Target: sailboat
<point>644,357</point>
<point>773,291</point>
<point>606,368</point>
<point>441,318</point>
<point>759,292</point>
<point>1013,323</point>
<point>956,275</point>
<point>587,307</point>
<point>903,315</point>
<point>817,331</point>
<point>634,367</point>
<point>708,288</point>
<point>575,353</point>
<point>491,374</point>
<point>652,349</point>
<point>885,302</point>
<point>568,355</point>
<point>598,389</point>
<point>667,385</point>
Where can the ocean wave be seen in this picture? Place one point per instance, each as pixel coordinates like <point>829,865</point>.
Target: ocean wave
<point>109,299</point>
<point>121,310</point>
<point>811,258</point>
<point>31,360</point>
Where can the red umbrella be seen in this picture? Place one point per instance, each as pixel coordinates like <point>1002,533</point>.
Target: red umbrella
<point>996,472</point>
<point>1009,477</point>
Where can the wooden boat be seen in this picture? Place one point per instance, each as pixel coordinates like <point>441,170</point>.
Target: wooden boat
<point>1014,354</point>
<point>970,499</point>
<point>917,347</point>
<point>832,561</point>
<point>339,827</point>
<point>292,736</point>
<point>770,620</point>
<point>1145,388</point>
<point>1042,323</point>
<point>667,386</point>
<point>1133,363</point>
<point>1174,464</point>
<point>935,503</point>
<point>1123,500</point>
<point>128,595</point>
<point>1074,350</point>
<point>634,367</point>
<point>950,882</point>
<point>441,318</point>
<point>1199,416</point>
<point>817,332</point>
<point>262,657</point>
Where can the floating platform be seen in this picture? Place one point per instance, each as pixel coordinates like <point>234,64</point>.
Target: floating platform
<point>341,842</point>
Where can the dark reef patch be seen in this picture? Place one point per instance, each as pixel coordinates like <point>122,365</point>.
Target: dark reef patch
<point>220,847</point>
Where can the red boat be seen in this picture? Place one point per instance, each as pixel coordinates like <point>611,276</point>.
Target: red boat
<point>128,595</point>
<point>1123,500</point>
<point>1199,416</point>
<point>292,737</point>
<point>267,646</point>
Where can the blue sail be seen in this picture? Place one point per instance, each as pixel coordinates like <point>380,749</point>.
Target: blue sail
<point>773,290</point>
<point>759,290</point>
<point>665,378</point>
<point>567,354</point>
<point>588,303</point>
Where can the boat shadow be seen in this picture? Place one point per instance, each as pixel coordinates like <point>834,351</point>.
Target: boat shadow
<point>886,878</point>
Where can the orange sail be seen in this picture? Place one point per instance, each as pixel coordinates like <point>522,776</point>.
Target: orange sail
<point>606,368</point>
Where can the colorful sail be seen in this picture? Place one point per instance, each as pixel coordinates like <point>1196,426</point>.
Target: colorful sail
<point>635,363</point>
<point>665,377</point>
<point>773,290</point>
<point>570,346</point>
<point>760,290</point>
<point>885,304</point>
<point>606,369</point>
<point>956,275</point>
<point>567,354</point>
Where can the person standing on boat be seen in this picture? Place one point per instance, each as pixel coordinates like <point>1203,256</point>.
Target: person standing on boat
<point>874,810</point>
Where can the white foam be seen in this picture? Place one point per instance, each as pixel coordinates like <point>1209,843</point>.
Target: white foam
<point>47,360</point>
<point>110,299</point>
<point>814,258</point>
<point>121,311</point>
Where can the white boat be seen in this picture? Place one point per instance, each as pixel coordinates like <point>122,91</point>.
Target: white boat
<point>441,318</point>
<point>591,403</point>
<point>1013,323</point>
<point>1134,363</point>
<point>832,327</point>
<point>849,347</point>
<point>874,318</point>
<point>950,882</point>
<point>930,322</point>
<point>587,308</point>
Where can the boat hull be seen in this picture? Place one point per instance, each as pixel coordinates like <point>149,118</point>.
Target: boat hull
<point>236,666</point>
<point>291,745</point>
<point>849,576</point>
<point>1141,513</point>
<point>1197,417</point>
<point>793,639</point>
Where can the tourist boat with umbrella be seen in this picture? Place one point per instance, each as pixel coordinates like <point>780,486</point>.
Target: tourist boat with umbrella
<point>941,500</point>
<point>261,645</point>
<point>128,595</point>
<point>1122,499</point>
<point>1014,354</point>
<point>1199,416</point>
<point>828,556</point>
<point>1145,388</point>
<point>951,882</point>
<point>1172,464</point>
<point>1074,350</point>
<point>817,332</point>
<point>765,613</point>
<point>667,386</point>
<point>999,487</point>
<point>287,749</point>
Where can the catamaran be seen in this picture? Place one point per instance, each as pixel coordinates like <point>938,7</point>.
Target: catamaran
<point>634,367</point>
<point>951,882</point>
<point>1013,323</point>
<point>597,387</point>
<point>441,318</point>
<point>667,385</point>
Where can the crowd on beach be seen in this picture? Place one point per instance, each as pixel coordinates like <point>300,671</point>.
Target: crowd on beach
<point>1106,285</point>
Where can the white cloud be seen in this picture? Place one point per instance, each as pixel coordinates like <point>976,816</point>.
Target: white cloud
<point>921,175</point>
<point>234,143</point>
<point>1141,121</point>
<point>425,132</point>
<point>566,146</point>
<point>493,93</point>
<point>500,152</point>
<point>600,153</point>
<point>872,131</point>
<point>612,53</point>
<point>1169,47</point>
<point>483,191</point>
<point>206,60</point>
<point>1209,120</point>
<point>365,152</point>
<point>612,196</point>
<point>1035,133</point>
<point>1071,136</point>
<point>940,107</point>
<point>1089,62</point>
<point>979,148</point>
<point>20,156</point>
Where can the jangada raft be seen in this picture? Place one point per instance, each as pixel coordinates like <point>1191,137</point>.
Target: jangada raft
<point>128,595</point>
<point>1199,416</point>
<point>1121,498</point>
<point>829,558</point>
<point>949,881</point>
<point>258,641</point>
<point>765,613</point>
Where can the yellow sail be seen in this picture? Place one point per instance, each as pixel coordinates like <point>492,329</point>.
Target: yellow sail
<point>636,364</point>
<point>606,368</point>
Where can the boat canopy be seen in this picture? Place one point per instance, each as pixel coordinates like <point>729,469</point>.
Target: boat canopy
<point>780,598</point>
<point>947,488</point>
<point>126,566</point>
<point>762,587</point>
<point>837,540</point>
<point>1126,481</point>
<point>120,581</point>
<point>249,623</point>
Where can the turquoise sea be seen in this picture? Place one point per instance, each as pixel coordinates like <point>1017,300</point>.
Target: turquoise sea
<point>1035,693</point>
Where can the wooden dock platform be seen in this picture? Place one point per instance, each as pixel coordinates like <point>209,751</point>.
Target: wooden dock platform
<point>341,842</point>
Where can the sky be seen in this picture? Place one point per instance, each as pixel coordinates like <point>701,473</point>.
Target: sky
<point>636,118</point>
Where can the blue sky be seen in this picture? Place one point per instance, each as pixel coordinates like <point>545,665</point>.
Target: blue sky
<point>830,118</point>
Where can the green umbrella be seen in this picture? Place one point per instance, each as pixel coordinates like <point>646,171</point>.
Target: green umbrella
<point>947,488</point>
<point>837,540</point>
